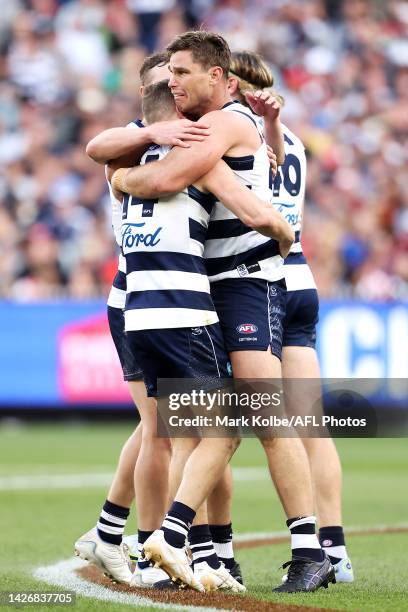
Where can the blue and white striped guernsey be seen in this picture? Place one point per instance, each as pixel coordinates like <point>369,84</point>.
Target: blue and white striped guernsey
<point>117,294</point>
<point>232,249</point>
<point>288,196</point>
<point>163,242</point>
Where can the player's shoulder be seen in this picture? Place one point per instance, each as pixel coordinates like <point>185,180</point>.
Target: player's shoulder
<point>136,123</point>
<point>227,120</point>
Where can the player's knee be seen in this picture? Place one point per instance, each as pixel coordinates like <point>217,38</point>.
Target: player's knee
<point>233,444</point>
<point>269,443</point>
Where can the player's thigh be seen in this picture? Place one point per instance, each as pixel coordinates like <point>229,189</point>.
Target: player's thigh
<point>138,392</point>
<point>255,364</point>
<point>130,366</point>
<point>302,384</point>
<point>300,362</point>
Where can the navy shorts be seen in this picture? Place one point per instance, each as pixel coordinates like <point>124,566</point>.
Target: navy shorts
<point>302,315</point>
<point>187,352</point>
<point>131,368</point>
<point>251,313</point>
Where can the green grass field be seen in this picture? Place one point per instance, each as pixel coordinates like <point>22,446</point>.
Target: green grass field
<point>39,525</point>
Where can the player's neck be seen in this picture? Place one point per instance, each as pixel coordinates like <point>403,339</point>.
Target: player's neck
<point>216,102</point>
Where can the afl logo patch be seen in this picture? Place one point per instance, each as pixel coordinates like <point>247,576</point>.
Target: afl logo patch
<point>247,328</point>
<point>196,331</point>
<point>327,543</point>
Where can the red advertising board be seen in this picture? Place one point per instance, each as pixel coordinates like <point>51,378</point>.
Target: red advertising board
<point>88,366</point>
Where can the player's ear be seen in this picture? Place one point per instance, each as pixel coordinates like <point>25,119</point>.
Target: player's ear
<point>216,74</point>
<point>232,85</point>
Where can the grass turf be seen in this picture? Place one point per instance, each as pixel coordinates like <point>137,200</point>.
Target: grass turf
<point>39,526</point>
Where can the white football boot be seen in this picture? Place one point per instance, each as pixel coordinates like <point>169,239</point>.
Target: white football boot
<point>110,558</point>
<point>150,578</point>
<point>131,542</point>
<point>217,579</point>
<point>172,560</point>
<point>343,571</point>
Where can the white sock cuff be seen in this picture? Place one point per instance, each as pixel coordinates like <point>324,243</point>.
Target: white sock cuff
<point>226,550</point>
<point>112,518</point>
<point>336,551</point>
<point>304,540</point>
<point>168,524</point>
<point>109,529</point>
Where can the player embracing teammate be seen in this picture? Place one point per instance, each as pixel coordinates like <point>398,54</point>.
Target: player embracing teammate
<point>247,274</point>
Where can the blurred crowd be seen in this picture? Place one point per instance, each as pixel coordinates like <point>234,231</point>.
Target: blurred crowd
<point>69,69</point>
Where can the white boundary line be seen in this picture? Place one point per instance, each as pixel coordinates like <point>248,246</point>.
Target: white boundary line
<point>63,574</point>
<point>28,482</point>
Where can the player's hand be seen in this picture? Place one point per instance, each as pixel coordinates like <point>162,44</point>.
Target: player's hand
<point>263,103</point>
<point>178,133</point>
<point>272,160</point>
<point>117,194</point>
<point>284,247</point>
<point>109,172</point>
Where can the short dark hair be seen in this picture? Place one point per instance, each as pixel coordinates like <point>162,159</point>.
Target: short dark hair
<point>207,48</point>
<point>157,59</point>
<point>158,101</point>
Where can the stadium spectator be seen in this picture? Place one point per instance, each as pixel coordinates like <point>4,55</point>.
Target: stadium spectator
<point>69,69</point>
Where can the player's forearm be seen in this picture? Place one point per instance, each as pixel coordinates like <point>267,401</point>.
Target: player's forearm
<point>250,209</point>
<point>146,182</point>
<point>274,138</point>
<point>117,142</point>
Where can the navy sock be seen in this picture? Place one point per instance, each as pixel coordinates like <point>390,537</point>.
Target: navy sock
<point>112,521</point>
<point>177,523</point>
<point>222,539</point>
<point>202,547</point>
<point>333,542</point>
<point>141,539</point>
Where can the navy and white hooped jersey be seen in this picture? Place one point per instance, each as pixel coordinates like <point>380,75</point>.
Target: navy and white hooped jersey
<point>117,294</point>
<point>232,249</point>
<point>163,242</point>
<point>288,197</point>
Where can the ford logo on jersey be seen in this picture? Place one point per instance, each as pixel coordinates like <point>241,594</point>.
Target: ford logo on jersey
<point>247,328</point>
<point>132,237</point>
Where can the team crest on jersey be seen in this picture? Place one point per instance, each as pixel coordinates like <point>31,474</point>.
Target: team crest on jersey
<point>242,270</point>
<point>247,328</point>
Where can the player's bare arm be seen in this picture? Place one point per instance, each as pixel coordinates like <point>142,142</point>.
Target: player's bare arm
<point>264,104</point>
<point>183,167</point>
<point>117,142</point>
<point>250,209</point>
<point>272,160</point>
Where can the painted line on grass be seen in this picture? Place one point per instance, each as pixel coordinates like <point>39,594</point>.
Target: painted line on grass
<point>97,480</point>
<point>63,574</point>
<point>267,538</point>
